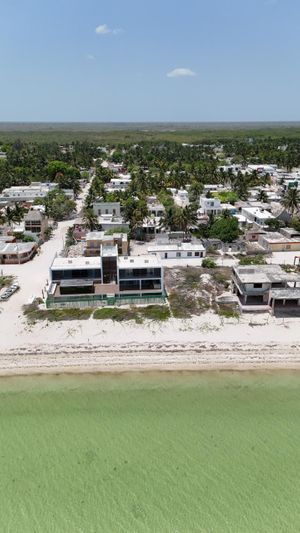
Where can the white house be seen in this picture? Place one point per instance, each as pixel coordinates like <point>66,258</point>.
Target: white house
<point>27,193</point>
<point>184,250</point>
<point>210,206</point>
<point>107,208</point>
<point>256,215</point>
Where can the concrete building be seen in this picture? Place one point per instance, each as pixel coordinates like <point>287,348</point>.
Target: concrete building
<point>104,280</point>
<point>96,239</point>
<point>118,184</point>
<point>16,253</point>
<point>107,208</point>
<point>184,250</point>
<point>265,285</point>
<point>276,242</point>
<point>256,215</point>
<point>27,193</point>
<point>156,210</point>
<point>210,206</point>
<point>110,222</point>
<point>36,222</point>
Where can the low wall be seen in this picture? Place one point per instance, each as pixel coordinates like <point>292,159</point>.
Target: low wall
<point>81,303</point>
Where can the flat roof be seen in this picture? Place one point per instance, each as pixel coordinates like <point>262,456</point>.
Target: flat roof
<point>109,251</point>
<point>278,237</point>
<point>69,263</point>
<point>286,294</point>
<point>261,213</point>
<point>184,246</point>
<point>102,236</point>
<point>139,261</point>
<point>265,274</point>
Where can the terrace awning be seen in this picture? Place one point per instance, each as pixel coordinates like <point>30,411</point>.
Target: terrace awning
<point>285,294</point>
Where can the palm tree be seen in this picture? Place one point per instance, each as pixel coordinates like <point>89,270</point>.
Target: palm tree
<point>18,213</point>
<point>262,197</point>
<point>291,200</point>
<point>11,216</point>
<point>186,218</point>
<point>168,220</point>
<point>89,219</point>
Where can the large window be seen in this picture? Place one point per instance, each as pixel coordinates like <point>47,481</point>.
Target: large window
<point>139,273</point>
<point>90,273</point>
<point>130,285</point>
<point>151,284</point>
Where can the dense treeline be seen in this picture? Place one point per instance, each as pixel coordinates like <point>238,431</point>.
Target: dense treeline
<point>27,162</point>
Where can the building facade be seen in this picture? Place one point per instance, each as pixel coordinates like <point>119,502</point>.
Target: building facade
<point>105,279</point>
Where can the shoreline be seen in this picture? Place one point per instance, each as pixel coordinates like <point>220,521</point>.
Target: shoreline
<point>135,357</point>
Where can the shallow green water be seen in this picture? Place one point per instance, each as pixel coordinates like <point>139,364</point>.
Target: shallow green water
<point>168,453</point>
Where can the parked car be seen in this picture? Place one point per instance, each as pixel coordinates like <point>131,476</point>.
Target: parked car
<point>9,291</point>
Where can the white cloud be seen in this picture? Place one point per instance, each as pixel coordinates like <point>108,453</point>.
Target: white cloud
<point>180,73</point>
<point>103,29</point>
<point>90,57</point>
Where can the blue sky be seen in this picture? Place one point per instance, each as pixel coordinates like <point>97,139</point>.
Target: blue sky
<point>149,60</point>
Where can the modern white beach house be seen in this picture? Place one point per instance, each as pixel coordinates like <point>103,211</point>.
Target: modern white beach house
<point>108,279</point>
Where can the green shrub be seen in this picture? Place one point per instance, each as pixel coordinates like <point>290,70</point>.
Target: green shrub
<point>155,312</point>
<point>228,312</point>
<point>151,312</point>
<point>5,281</point>
<point>33,313</point>
<point>113,313</point>
<point>253,260</point>
<point>208,263</point>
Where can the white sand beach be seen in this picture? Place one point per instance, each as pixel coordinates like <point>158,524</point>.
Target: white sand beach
<point>207,341</point>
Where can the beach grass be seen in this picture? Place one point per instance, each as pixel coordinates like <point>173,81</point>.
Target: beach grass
<point>151,453</point>
<point>139,314</point>
<point>5,281</point>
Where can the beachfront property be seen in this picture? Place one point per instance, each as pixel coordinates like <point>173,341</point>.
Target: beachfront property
<point>16,253</point>
<point>96,239</point>
<point>268,286</point>
<point>183,250</point>
<point>107,279</point>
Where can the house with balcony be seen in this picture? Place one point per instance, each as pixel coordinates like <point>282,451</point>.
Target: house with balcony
<point>107,279</point>
<point>210,206</point>
<point>107,208</point>
<point>265,286</point>
<point>36,222</point>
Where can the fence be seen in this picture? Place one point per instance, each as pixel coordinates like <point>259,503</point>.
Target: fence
<point>103,301</point>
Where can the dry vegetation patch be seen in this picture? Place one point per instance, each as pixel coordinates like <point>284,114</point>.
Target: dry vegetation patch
<point>193,290</point>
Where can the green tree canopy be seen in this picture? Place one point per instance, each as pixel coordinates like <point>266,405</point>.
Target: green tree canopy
<point>225,228</point>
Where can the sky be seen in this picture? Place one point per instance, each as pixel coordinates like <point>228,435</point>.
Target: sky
<point>149,60</point>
